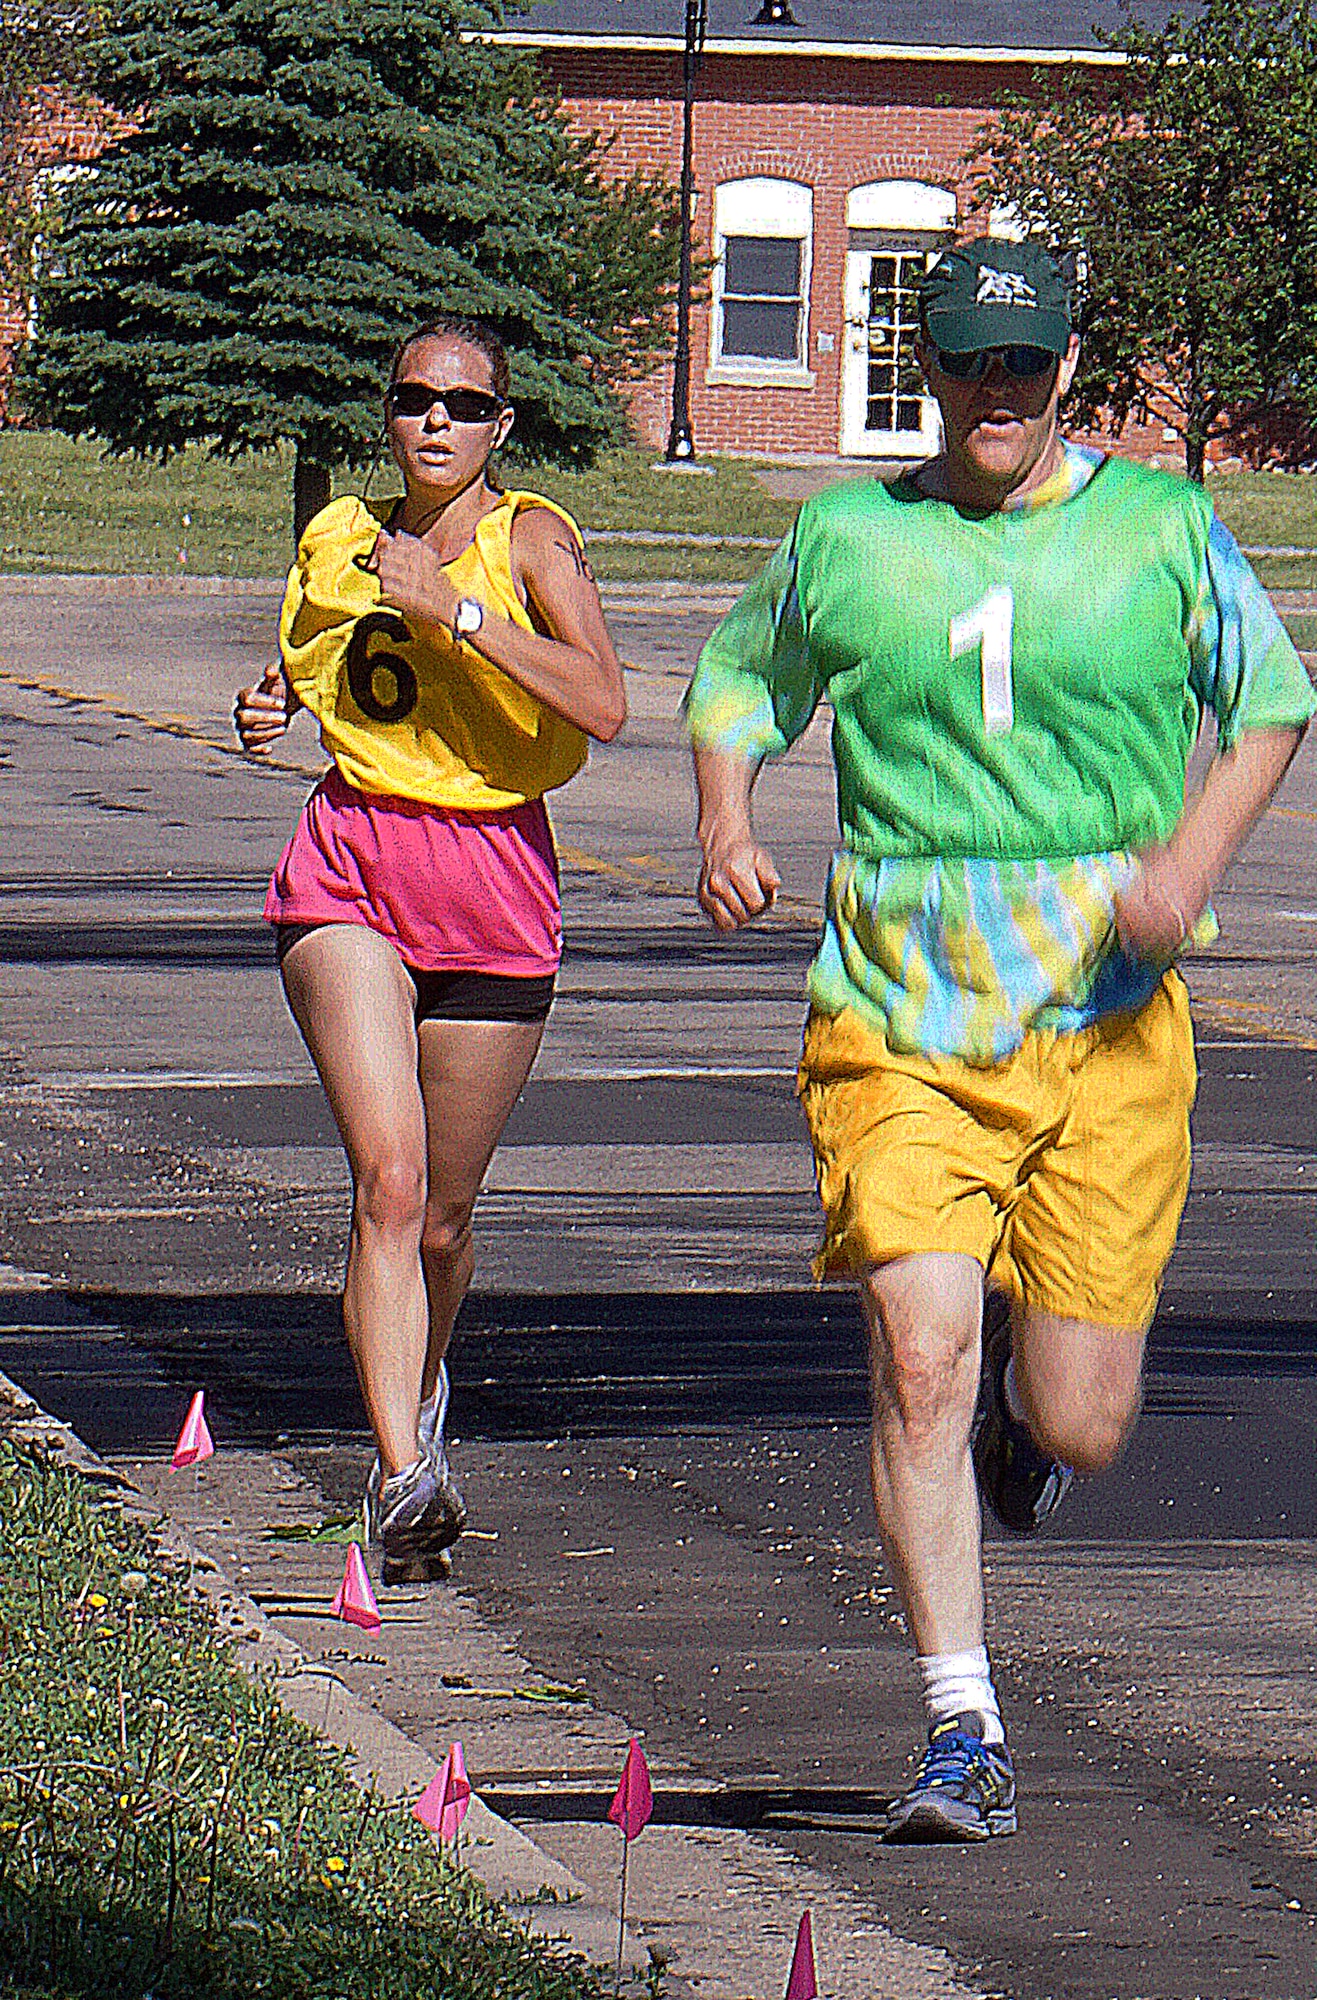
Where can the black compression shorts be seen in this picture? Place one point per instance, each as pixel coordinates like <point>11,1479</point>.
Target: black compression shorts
<point>454,996</point>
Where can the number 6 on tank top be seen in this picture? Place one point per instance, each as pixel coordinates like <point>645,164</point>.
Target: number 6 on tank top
<point>988,626</point>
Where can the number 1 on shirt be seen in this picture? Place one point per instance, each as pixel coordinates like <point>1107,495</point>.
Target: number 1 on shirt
<point>988,625</point>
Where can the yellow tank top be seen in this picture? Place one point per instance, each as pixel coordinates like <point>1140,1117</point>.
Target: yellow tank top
<point>428,720</point>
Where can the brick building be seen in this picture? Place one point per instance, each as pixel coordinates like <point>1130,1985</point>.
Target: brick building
<point>827,150</point>
<point>60,137</point>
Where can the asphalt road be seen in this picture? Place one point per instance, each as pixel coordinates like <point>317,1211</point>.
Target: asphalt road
<point>662,1424</point>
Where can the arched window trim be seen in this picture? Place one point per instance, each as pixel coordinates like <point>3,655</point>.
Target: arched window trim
<point>893,204</point>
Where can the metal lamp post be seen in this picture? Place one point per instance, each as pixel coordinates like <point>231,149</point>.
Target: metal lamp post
<point>681,439</point>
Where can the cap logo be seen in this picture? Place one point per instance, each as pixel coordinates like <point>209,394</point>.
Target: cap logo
<point>1003,288</point>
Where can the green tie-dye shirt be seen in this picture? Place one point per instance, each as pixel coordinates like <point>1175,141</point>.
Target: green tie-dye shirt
<point>1015,697</point>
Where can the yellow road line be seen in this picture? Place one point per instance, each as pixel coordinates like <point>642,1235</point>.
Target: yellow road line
<point>163,725</point>
<point>637,875</point>
<point>1243,1015</point>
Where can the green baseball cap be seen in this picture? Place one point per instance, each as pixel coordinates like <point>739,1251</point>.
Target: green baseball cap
<point>993,293</point>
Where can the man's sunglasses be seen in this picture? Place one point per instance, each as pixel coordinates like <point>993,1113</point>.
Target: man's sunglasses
<point>1023,363</point>
<point>463,406</point>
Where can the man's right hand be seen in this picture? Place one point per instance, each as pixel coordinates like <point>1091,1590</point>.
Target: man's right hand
<point>738,881</point>
<point>262,713</point>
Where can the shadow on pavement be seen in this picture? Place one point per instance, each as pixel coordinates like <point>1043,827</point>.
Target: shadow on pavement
<point>119,1366</point>
<point>740,1808</point>
<point>168,942</point>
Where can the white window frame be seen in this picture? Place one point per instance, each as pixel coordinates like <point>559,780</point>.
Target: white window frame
<point>43,197</point>
<point>761,206</point>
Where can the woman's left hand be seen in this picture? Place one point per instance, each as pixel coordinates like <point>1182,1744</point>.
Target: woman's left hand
<point>412,578</point>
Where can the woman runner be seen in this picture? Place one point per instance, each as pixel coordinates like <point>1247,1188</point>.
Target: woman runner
<point>453,650</point>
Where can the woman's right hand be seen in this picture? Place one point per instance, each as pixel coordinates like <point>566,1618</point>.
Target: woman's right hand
<point>262,713</point>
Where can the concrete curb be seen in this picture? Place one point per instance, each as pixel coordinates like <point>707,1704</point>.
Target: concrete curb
<point>709,597</point>
<point>541,1892</point>
<point>715,1903</point>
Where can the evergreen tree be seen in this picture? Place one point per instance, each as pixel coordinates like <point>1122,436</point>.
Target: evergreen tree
<point>1185,179</point>
<point>307,182</point>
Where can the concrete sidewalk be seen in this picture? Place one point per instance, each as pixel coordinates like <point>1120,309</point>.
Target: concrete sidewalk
<point>716,1906</point>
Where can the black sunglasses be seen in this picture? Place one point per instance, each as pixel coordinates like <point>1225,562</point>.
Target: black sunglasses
<point>1020,362</point>
<point>463,406</point>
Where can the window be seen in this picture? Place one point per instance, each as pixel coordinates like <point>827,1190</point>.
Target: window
<point>761,298</point>
<point>895,388</point>
<point>762,232</point>
<point>44,205</point>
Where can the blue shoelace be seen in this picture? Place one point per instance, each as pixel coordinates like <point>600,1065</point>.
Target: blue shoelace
<point>948,1758</point>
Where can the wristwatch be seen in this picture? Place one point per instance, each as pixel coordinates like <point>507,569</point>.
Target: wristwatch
<point>468,617</point>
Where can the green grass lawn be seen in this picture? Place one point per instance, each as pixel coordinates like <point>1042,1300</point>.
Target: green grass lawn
<point>1271,509</point>
<point>167,1829</point>
<point>66,508</point>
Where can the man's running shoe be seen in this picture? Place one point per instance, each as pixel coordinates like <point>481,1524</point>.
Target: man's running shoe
<point>1019,1482</point>
<point>411,1517</point>
<point>965,1789</point>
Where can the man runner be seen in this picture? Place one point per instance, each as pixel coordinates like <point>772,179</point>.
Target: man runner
<point>1017,641</point>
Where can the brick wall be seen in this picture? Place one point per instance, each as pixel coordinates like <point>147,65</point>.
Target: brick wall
<point>831,123</point>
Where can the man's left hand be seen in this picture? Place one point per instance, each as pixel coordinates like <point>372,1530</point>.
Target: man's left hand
<point>1158,908</point>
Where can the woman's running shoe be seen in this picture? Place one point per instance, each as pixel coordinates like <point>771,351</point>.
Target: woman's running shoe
<point>1021,1484</point>
<point>965,1789</point>
<point>411,1516</point>
<point>445,1509</point>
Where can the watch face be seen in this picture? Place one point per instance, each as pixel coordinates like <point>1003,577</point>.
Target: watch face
<point>469,616</point>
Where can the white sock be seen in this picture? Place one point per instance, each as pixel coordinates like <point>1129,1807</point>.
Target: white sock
<point>961,1684</point>
<point>1014,1400</point>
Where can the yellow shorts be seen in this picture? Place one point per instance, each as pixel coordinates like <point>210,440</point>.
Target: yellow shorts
<point>1063,1170</point>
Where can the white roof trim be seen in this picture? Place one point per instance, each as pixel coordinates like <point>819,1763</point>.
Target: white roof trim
<point>854,51</point>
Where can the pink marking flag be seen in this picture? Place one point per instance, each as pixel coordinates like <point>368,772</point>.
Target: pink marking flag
<point>803,1983</point>
<point>442,1805</point>
<point>194,1440</point>
<point>633,1806</point>
<point>355,1602</point>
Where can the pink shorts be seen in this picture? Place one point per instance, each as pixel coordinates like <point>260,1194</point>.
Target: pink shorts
<point>451,891</point>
